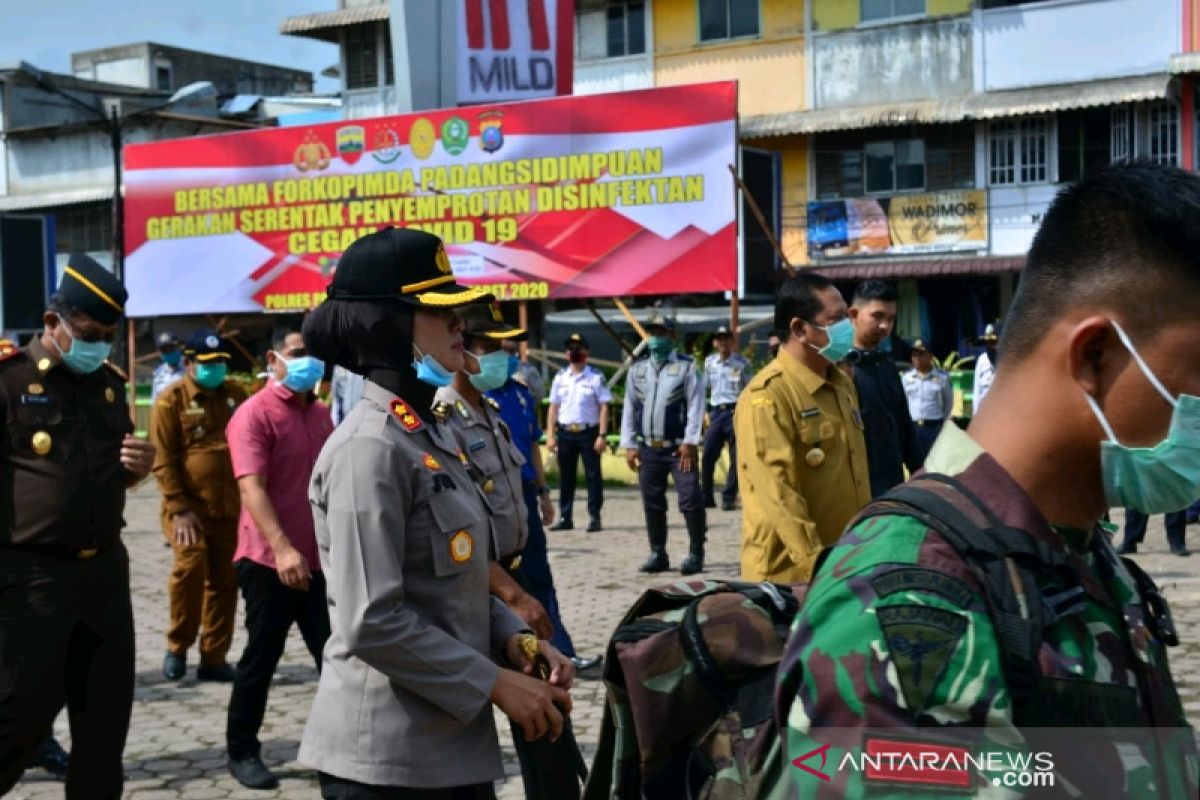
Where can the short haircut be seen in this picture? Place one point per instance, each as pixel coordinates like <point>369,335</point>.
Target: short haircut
<point>799,296</point>
<point>1127,238</point>
<point>873,289</point>
<point>280,334</point>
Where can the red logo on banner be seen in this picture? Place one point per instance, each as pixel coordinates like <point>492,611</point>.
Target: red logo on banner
<point>539,25</point>
<point>820,751</point>
<point>916,763</point>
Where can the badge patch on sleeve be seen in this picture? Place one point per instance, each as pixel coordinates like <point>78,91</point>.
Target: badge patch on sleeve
<point>462,547</point>
<point>922,640</point>
<point>431,463</point>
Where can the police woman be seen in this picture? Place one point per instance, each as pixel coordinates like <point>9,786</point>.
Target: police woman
<point>403,709</point>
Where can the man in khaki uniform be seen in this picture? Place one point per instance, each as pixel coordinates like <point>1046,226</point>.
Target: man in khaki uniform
<point>200,507</point>
<point>802,462</point>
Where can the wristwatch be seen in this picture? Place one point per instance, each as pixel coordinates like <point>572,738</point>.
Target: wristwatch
<point>543,490</point>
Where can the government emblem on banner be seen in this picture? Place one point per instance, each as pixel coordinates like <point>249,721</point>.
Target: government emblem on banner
<point>311,154</point>
<point>456,134</point>
<point>491,137</point>
<point>387,146</point>
<point>351,142</point>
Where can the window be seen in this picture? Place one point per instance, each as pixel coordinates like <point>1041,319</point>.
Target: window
<point>162,76</point>
<point>1148,131</point>
<point>362,57</point>
<point>1018,151</point>
<point>728,19</point>
<point>1084,140</point>
<point>897,166</point>
<point>876,10</point>
<point>83,228</point>
<point>626,27</point>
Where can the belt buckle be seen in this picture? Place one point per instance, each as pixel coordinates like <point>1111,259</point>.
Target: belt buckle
<point>515,563</point>
<point>88,552</point>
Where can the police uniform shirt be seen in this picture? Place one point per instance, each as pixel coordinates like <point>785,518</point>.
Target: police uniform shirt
<point>985,372</point>
<point>192,461</point>
<point>726,378</point>
<point>663,403</point>
<point>403,533</point>
<point>930,395</point>
<point>579,396</point>
<point>489,445</point>
<point>63,485</point>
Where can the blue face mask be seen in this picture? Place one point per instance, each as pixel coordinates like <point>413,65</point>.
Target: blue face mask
<point>493,371</point>
<point>430,371</point>
<point>1159,479</point>
<point>210,376</point>
<point>303,373</point>
<point>82,358</point>
<point>514,364</point>
<point>172,358</point>
<point>841,340</point>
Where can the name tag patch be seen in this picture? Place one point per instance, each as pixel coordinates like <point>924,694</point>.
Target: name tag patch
<point>475,447</point>
<point>36,400</point>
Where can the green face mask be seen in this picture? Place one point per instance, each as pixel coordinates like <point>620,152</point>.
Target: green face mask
<point>210,376</point>
<point>660,347</point>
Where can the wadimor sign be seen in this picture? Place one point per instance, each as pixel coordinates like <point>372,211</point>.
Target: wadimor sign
<point>903,224</point>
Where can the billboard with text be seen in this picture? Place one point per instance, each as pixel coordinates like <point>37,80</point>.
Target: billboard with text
<point>600,196</point>
<point>899,225</point>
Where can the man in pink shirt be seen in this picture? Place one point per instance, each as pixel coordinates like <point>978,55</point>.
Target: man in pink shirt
<point>274,439</point>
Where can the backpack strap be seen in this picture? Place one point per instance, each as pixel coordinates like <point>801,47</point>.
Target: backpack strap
<point>1008,562</point>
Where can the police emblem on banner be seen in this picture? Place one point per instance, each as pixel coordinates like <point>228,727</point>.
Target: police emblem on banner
<point>387,146</point>
<point>491,137</point>
<point>351,142</point>
<point>311,154</point>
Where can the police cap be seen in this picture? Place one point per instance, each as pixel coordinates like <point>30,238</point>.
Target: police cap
<point>575,340</point>
<point>661,321</point>
<point>919,346</point>
<point>485,320</point>
<point>167,339</point>
<point>92,289</point>
<point>723,332</point>
<point>404,264</point>
<point>205,345</point>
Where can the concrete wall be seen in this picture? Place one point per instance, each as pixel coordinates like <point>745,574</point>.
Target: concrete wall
<point>131,71</point>
<point>363,103</point>
<point>881,64</point>
<point>613,74</point>
<point>1025,45</point>
<point>1014,214</point>
<point>831,15</point>
<point>770,67</point>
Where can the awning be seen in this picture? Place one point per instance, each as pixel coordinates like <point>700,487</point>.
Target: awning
<point>1184,63</point>
<point>982,106</point>
<point>326,25</point>
<point>25,202</point>
<point>917,268</point>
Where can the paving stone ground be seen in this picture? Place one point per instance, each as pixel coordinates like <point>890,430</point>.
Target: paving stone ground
<point>176,742</point>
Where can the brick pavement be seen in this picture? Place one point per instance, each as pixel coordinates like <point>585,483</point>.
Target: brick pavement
<point>176,742</point>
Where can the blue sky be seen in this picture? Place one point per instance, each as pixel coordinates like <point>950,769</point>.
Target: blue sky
<point>46,32</point>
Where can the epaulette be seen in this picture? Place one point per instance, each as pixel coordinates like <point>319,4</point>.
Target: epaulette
<point>115,370</point>
<point>8,350</point>
<point>408,418</point>
<point>441,412</point>
<point>495,406</point>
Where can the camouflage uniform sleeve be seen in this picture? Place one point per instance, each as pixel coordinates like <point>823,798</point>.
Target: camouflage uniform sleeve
<point>885,641</point>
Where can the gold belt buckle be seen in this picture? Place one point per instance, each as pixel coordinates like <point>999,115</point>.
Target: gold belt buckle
<point>88,552</point>
<point>515,563</point>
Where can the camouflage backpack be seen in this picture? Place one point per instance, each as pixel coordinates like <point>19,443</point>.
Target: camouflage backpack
<point>690,674</point>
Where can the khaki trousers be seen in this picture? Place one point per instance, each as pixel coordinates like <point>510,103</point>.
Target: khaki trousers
<point>203,590</point>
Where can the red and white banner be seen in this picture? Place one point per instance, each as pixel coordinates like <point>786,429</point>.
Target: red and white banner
<point>599,196</point>
<point>514,49</point>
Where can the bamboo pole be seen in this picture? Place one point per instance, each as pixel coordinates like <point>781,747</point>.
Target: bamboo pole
<point>131,347</point>
<point>637,326</point>
<point>591,306</point>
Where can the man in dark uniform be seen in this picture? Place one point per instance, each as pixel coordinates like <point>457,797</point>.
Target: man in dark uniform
<point>887,425</point>
<point>66,621</point>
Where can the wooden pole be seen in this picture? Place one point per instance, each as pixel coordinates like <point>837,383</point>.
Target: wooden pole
<point>637,326</point>
<point>762,221</point>
<point>591,306</point>
<point>523,324</point>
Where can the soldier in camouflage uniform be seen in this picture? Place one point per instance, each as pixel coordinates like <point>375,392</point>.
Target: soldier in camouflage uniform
<point>897,636</point>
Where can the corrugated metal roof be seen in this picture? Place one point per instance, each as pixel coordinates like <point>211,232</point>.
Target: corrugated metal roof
<point>325,25</point>
<point>24,202</point>
<point>918,268</point>
<point>985,105</point>
<point>1183,63</point>
<point>241,104</point>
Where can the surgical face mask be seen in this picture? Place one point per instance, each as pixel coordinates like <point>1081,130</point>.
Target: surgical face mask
<point>430,371</point>
<point>841,339</point>
<point>576,356</point>
<point>1159,479</point>
<point>210,376</point>
<point>303,372</point>
<point>514,364</point>
<point>660,347</point>
<point>493,370</point>
<point>172,358</point>
<point>82,357</point>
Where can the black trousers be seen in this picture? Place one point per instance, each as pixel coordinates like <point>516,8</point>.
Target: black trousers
<point>1136,521</point>
<point>927,434</point>
<point>271,608</point>
<point>719,433</point>
<point>66,637</point>
<point>659,463</point>
<point>333,788</point>
<point>572,447</point>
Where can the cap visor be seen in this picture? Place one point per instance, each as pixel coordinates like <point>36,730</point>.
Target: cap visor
<point>514,334</point>
<point>450,296</point>
<point>211,356</point>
